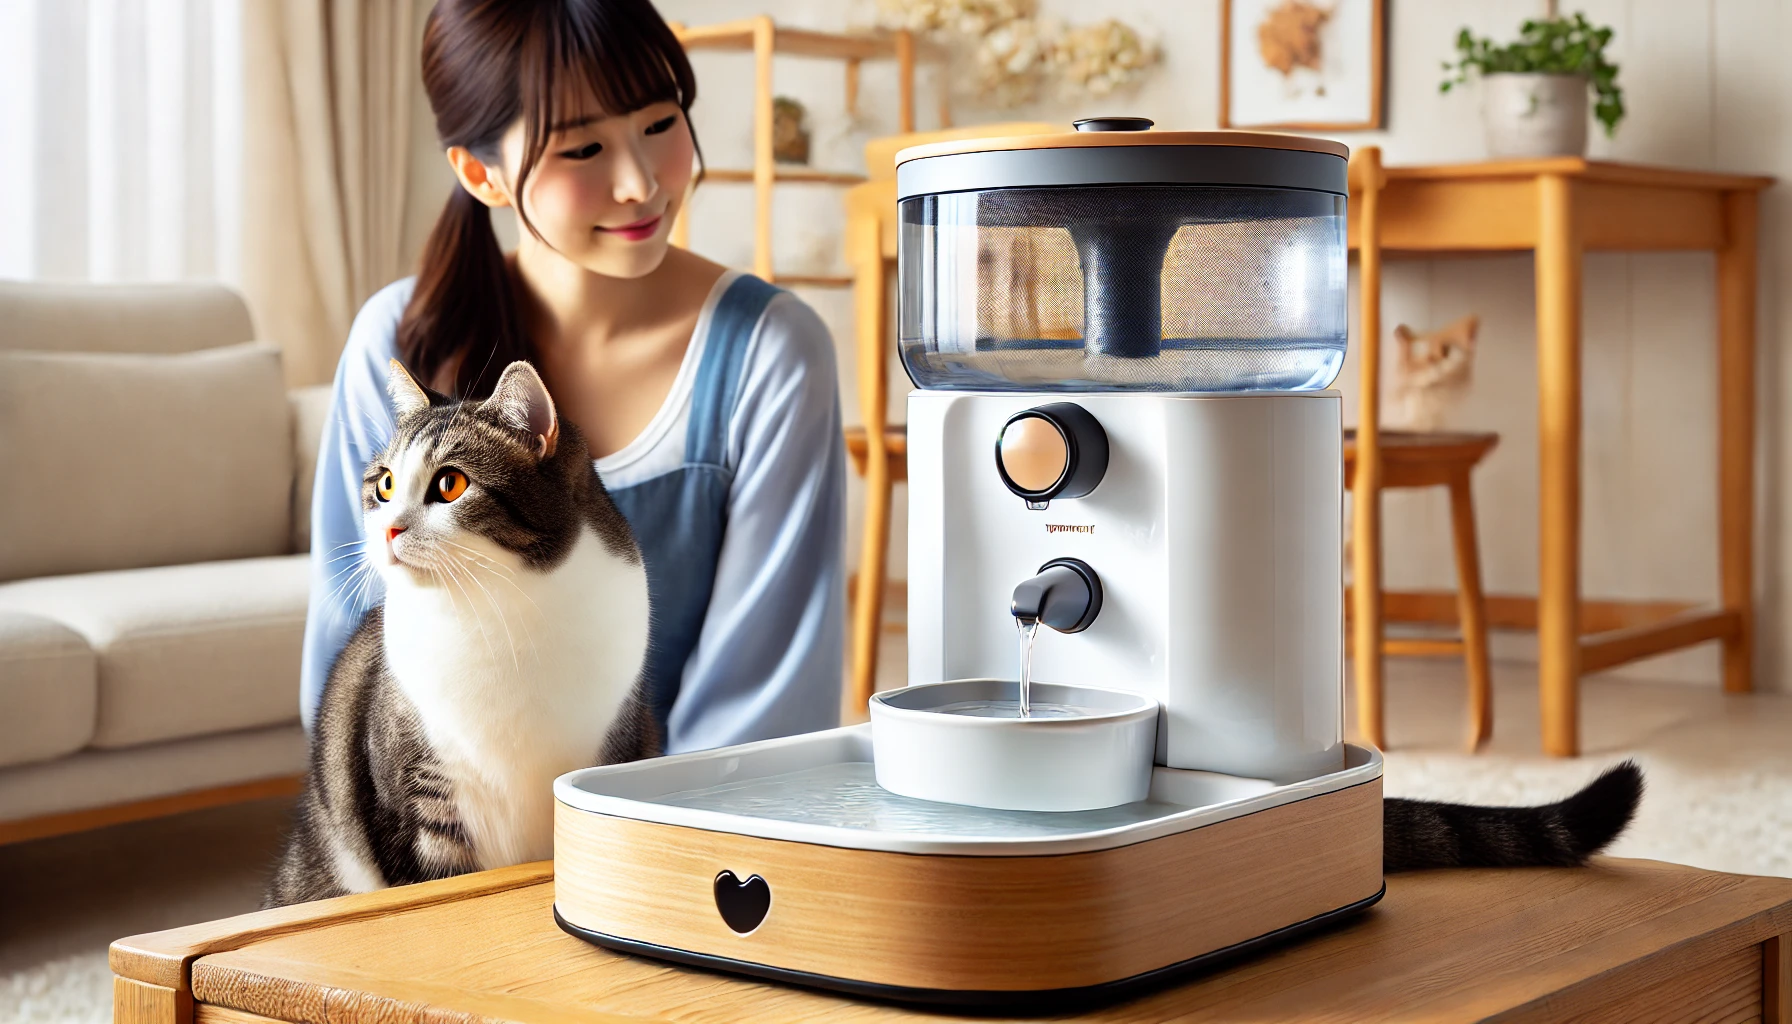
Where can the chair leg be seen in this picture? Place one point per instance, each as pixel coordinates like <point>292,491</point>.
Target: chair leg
<point>868,602</point>
<point>1365,584</point>
<point>1471,612</point>
<point>871,313</point>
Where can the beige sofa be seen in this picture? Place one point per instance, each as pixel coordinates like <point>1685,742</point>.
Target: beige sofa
<point>155,478</point>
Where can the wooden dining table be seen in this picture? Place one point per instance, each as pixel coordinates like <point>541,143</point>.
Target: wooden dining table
<point>1560,209</point>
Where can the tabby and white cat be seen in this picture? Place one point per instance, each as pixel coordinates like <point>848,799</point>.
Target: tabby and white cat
<point>508,651</point>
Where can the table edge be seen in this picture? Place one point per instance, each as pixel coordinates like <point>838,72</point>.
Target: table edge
<point>165,958</point>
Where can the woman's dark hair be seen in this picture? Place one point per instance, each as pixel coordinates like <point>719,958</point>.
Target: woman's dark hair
<point>487,63</point>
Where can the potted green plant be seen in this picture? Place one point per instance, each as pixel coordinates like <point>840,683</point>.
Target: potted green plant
<point>1535,89</point>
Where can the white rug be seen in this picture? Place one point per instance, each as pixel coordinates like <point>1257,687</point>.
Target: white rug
<point>72,990</point>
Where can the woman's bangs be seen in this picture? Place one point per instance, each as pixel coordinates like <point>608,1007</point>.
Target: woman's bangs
<point>624,60</point>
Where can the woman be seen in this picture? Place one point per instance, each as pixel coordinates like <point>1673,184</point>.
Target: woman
<point>708,397</point>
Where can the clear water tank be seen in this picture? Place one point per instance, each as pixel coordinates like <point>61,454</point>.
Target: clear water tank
<point>1119,258</point>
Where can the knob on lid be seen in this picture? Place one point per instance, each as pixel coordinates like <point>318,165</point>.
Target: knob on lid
<point>1113,124</point>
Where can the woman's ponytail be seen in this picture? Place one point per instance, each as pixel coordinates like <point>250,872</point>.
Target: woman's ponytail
<point>462,327</point>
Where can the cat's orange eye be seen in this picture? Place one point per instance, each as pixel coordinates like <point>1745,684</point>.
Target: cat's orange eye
<point>384,487</point>
<point>451,484</point>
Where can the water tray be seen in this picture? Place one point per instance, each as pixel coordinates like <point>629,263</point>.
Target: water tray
<point>785,860</point>
<point>820,788</point>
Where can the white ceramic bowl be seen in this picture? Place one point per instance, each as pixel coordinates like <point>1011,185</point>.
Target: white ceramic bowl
<point>1022,764</point>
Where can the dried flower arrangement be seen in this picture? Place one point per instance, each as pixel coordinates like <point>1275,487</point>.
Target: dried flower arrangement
<point>1017,53</point>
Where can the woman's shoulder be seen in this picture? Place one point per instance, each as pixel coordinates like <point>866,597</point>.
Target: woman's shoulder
<point>373,338</point>
<point>377,322</point>
<point>791,336</point>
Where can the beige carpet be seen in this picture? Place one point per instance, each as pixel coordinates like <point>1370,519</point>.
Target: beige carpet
<point>1719,796</point>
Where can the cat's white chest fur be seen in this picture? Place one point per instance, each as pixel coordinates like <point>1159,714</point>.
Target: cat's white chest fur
<point>517,676</point>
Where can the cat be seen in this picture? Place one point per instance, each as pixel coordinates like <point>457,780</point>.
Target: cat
<point>509,649</point>
<point>1432,372</point>
<point>1418,834</point>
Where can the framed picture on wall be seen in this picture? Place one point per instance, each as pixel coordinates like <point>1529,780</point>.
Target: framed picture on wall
<point>1314,65</point>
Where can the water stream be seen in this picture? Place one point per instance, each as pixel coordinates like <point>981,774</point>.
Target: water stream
<point>1029,628</point>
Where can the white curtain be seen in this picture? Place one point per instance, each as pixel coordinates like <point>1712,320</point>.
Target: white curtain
<point>122,122</point>
<point>328,88</point>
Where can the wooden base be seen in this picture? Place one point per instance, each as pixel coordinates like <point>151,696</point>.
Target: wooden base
<point>984,925</point>
<point>1057,1000</point>
<point>140,810</point>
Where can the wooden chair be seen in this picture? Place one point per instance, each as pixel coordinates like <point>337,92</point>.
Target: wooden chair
<point>1376,460</point>
<point>881,455</point>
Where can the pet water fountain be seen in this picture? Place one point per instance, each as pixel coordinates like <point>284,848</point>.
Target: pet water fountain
<point>1121,754</point>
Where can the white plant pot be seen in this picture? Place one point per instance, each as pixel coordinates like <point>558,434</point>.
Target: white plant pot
<point>1533,114</point>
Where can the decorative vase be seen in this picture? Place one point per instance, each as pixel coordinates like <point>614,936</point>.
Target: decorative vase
<point>790,131</point>
<point>1529,114</point>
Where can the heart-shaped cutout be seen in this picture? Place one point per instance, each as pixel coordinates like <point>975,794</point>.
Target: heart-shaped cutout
<point>743,904</point>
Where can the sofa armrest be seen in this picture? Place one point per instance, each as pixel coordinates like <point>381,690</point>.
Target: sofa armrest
<point>310,407</point>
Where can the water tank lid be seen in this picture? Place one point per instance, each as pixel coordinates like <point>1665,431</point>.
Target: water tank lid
<point>1123,151</point>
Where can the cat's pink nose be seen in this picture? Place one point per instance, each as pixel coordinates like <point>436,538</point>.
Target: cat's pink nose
<point>392,532</point>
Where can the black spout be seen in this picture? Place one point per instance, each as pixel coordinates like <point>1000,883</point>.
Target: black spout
<point>1066,595</point>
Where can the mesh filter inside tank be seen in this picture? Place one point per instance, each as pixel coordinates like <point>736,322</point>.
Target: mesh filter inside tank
<point>1188,288</point>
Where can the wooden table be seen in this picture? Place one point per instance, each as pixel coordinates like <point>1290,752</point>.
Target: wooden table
<point>1561,208</point>
<point>1622,940</point>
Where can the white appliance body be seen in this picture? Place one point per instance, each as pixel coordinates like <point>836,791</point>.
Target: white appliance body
<point>1217,534</point>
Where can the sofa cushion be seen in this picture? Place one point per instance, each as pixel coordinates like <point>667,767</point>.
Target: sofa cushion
<point>310,408</point>
<point>82,317</point>
<point>184,650</point>
<point>107,778</point>
<point>121,461</point>
<point>48,689</point>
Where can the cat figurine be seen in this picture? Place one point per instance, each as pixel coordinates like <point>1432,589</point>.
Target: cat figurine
<point>1432,372</point>
<point>509,649</point>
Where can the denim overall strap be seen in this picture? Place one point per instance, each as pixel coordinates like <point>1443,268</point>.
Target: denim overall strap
<point>678,518</point>
<point>717,388</point>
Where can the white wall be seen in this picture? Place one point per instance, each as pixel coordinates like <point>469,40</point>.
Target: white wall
<point>1707,86</point>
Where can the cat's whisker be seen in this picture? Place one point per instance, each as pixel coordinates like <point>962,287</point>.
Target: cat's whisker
<point>456,572</point>
<point>504,572</point>
<point>503,619</point>
<point>355,574</point>
<point>373,428</point>
<point>363,597</point>
<point>478,619</point>
<point>359,562</point>
<point>472,574</point>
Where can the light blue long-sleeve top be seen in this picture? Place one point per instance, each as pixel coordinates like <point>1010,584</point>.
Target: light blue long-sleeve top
<point>736,494</point>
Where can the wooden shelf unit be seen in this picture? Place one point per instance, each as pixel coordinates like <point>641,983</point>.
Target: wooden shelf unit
<point>762,37</point>
<point>784,172</point>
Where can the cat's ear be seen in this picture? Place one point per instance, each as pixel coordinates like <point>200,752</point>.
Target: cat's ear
<point>408,396</point>
<point>1466,328</point>
<point>522,401</point>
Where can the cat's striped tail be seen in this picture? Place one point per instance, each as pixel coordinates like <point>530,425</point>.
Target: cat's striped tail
<point>1418,834</point>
